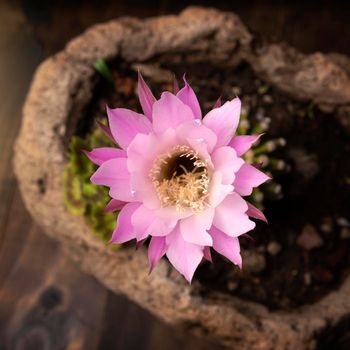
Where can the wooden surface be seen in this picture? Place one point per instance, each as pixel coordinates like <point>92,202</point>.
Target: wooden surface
<point>45,301</point>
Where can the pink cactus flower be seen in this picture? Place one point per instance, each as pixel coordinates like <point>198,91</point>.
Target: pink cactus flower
<point>178,178</point>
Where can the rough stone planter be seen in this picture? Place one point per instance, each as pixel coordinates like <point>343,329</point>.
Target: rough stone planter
<point>61,90</point>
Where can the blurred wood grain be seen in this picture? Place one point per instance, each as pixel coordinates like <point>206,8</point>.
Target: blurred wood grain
<point>45,301</point>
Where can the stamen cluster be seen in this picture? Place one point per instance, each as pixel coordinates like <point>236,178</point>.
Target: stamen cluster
<point>181,179</point>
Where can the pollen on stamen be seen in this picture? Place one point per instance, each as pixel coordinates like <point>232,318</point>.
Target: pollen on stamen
<point>181,179</point>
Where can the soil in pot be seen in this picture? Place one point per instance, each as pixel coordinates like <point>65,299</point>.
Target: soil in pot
<point>304,251</point>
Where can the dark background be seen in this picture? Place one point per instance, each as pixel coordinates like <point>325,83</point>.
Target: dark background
<point>45,301</point>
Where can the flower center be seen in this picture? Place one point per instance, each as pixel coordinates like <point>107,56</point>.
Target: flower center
<point>181,179</point>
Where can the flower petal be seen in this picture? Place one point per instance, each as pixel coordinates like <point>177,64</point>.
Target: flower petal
<point>226,246</point>
<point>141,220</point>
<point>110,172</point>
<point>146,97</point>
<point>125,230</point>
<point>146,223</point>
<point>144,149</point>
<point>218,103</point>
<point>144,190</point>
<point>198,132</point>
<point>156,249</point>
<point>169,112</point>
<point>139,244</point>
<point>207,254</point>
<point>113,205</point>
<point>126,124</point>
<point>226,161</point>
<point>248,177</point>
<point>170,213</point>
<point>106,130</point>
<point>114,174</point>
<point>218,191</point>
<point>189,98</point>
<point>242,143</point>
<point>200,147</point>
<point>230,216</point>
<point>194,228</point>
<point>102,154</point>
<point>184,256</point>
<point>255,213</point>
<point>224,120</point>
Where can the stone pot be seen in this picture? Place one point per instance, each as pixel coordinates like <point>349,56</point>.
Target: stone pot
<point>61,90</point>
